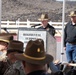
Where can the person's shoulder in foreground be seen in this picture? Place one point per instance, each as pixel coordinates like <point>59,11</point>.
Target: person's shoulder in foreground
<point>35,58</point>
<point>4,41</point>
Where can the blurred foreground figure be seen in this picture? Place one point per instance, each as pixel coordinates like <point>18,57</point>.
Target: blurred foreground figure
<point>35,58</point>
<point>15,66</point>
<point>4,41</point>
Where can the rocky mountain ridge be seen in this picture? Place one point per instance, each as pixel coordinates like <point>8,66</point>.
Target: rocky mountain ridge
<point>32,9</point>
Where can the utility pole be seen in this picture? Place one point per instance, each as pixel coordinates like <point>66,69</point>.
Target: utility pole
<point>0,13</point>
<point>62,36</point>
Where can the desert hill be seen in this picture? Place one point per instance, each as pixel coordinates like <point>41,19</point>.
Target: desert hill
<point>32,9</point>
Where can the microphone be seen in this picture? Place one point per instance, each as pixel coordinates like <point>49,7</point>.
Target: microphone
<point>36,25</point>
<point>5,29</point>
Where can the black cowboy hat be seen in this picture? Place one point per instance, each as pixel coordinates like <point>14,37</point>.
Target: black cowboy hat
<point>35,53</point>
<point>15,46</point>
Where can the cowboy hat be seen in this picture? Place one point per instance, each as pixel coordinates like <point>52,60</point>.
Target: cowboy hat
<point>35,53</point>
<point>15,46</point>
<point>5,38</point>
<point>43,17</point>
<point>73,13</point>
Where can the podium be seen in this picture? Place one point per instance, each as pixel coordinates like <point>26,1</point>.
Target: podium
<point>51,45</point>
<point>26,34</point>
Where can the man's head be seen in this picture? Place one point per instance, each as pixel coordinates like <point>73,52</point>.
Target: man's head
<point>35,54</point>
<point>13,48</point>
<point>44,19</point>
<point>73,16</point>
<point>4,41</point>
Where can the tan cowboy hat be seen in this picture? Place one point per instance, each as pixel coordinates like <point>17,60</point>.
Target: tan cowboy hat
<point>14,46</point>
<point>44,17</point>
<point>5,37</point>
<point>73,13</point>
<point>35,53</point>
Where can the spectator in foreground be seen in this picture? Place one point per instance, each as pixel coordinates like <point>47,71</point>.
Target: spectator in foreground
<point>34,58</point>
<point>15,66</point>
<point>4,41</point>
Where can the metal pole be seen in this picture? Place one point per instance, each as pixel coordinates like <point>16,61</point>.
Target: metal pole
<point>62,36</point>
<point>0,14</point>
